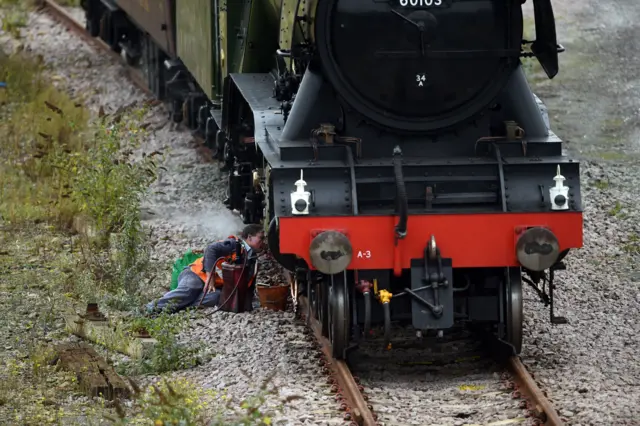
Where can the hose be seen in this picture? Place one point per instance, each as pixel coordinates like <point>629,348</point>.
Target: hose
<point>211,277</point>
<point>235,288</point>
<point>387,324</point>
<point>367,313</point>
<point>401,227</point>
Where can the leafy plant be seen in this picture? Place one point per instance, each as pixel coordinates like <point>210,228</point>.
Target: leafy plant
<point>108,185</point>
<point>168,353</point>
<point>180,402</point>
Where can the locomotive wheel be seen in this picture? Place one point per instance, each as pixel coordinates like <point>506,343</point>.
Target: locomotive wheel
<point>339,315</point>
<point>227,157</point>
<point>513,302</point>
<point>220,145</point>
<point>93,25</point>
<point>310,301</point>
<point>130,60</point>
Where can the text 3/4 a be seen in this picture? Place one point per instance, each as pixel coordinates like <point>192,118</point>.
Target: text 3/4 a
<point>364,254</point>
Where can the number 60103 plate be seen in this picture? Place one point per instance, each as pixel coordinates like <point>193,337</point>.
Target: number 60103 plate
<point>420,3</point>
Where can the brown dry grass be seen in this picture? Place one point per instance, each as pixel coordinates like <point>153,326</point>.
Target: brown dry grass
<point>39,125</point>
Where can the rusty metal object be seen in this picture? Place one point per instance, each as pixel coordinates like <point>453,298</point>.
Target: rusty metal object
<point>142,333</point>
<point>92,313</point>
<point>68,21</point>
<point>356,406</point>
<point>540,405</point>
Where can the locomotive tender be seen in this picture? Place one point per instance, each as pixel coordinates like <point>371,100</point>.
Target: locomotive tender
<point>393,149</point>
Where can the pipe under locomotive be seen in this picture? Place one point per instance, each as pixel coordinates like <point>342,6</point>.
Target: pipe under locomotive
<point>403,167</point>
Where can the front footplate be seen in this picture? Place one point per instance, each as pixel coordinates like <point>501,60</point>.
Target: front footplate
<point>431,290</point>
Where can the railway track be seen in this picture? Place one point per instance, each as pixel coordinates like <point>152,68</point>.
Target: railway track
<point>367,408</point>
<point>431,373</point>
<point>65,18</point>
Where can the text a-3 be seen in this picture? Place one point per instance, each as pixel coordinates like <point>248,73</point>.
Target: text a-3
<point>364,254</point>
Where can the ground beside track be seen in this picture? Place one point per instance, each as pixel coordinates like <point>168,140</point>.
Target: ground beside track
<point>589,368</point>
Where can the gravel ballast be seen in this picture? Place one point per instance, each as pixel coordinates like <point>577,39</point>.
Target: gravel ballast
<point>185,210</point>
<point>589,368</point>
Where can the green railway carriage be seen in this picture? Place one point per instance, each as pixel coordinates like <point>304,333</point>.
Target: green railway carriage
<point>215,38</point>
<point>119,24</point>
<point>208,38</point>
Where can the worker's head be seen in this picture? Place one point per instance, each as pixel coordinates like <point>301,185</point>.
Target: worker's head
<point>254,235</point>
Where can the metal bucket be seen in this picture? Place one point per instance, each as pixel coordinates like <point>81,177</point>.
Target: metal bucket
<point>274,298</point>
<point>235,296</point>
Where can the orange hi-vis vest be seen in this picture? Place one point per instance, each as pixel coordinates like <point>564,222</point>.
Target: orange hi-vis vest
<point>197,267</point>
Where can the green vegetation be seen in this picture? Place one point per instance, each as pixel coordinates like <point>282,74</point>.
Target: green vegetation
<point>617,208</point>
<point>168,354</point>
<point>632,246</point>
<point>179,403</point>
<point>70,233</point>
<point>13,16</point>
<point>59,169</point>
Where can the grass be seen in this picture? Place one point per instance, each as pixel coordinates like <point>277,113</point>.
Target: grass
<point>58,167</point>
<point>39,125</point>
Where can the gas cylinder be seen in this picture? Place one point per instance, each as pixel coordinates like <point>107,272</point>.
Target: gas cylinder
<point>238,302</point>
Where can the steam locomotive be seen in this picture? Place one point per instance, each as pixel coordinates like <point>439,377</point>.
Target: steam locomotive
<point>393,149</point>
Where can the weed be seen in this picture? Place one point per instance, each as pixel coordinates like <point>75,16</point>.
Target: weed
<point>601,184</point>
<point>175,402</point>
<point>107,186</point>
<point>168,353</point>
<point>617,208</point>
<point>13,16</point>
<point>34,274</point>
<point>56,167</point>
<point>633,244</point>
<point>613,156</point>
<point>69,3</point>
<point>180,402</point>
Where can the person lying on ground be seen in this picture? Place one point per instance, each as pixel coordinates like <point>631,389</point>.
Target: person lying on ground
<point>191,281</point>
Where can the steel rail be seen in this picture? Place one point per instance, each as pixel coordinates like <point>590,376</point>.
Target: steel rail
<point>540,405</point>
<point>61,15</point>
<point>359,409</point>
